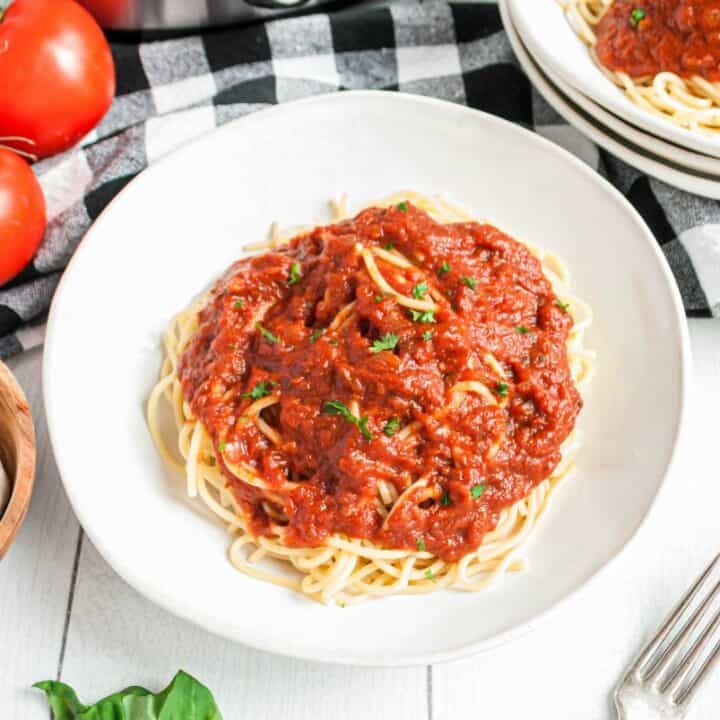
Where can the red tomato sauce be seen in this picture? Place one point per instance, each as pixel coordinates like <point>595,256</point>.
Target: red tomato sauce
<point>646,37</point>
<point>492,297</point>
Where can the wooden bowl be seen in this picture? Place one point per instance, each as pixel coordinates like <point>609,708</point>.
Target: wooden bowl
<point>17,454</point>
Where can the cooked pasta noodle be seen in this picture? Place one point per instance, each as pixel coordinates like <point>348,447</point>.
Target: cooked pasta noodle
<point>344,570</point>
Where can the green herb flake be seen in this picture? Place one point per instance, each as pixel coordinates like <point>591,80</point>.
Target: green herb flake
<point>636,15</point>
<point>261,390</point>
<point>391,426</point>
<point>362,426</point>
<point>386,342</point>
<point>423,316</point>
<point>334,343</point>
<point>429,575</point>
<point>562,305</point>
<point>427,335</point>
<point>522,329</point>
<point>444,268</point>
<point>221,447</point>
<point>295,274</point>
<point>469,282</point>
<point>501,389</point>
<point>420,544</point>
<point>389,246</point>
<point>238,304</point>
<point>378,298</point>
<point>445,499</point>
<point>420,291</point>
<point>267,334</point>
<point>402,206</point>
<point>335,407</point>
<point>316,333</point>
<point>477,490</point>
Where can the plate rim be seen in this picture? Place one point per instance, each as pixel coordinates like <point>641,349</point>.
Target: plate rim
<point>646,141</point>
<point>616,103</point>
<point>147,590</point>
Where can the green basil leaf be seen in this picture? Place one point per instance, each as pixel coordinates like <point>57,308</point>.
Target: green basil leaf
<point>184,699</point>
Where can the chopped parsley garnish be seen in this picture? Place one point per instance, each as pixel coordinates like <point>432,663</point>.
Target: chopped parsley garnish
<point>267,334</point>
<point>389,246</point>
<point>429,575</point>
<point>261,390</point>
<point>445,499</point>
<point>427,335</point>
<point>469,282</point>
<point>636,15</point>
<point>562,305</point>
<point>334,343</point>
<point>423,316</point>
<point>362,426</point>
<point>238,303</point>
<point>501,389</point>
<point>444,268</point>
<point>402,206</point>
<point>221,447</point>
<point>391,426</point>
<point>378,298</point>
<point>316,333</point>
<point>386,342</point>
<point>335,407</point>
<point>421,544</point>
<point>477,490</point>
<point>420,290</point>
<point>295,274</point>
<point>522,329</point>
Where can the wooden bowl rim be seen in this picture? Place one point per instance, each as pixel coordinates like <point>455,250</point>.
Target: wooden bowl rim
<point>22,481</point>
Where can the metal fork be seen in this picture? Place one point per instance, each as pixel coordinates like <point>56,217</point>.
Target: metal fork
<point>664,677</point>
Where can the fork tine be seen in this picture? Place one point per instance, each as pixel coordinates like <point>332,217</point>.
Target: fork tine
<point>687,694</point>
<point>673,650</point>
<point>673,683</point>
<point>654,643</point>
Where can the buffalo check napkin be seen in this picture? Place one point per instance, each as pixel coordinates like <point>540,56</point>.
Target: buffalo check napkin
<point>171,91</point>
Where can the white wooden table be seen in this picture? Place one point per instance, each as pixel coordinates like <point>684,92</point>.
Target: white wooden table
<point>64,612</point>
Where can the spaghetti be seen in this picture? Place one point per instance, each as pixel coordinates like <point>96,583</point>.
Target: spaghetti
<point>662,53</point>
<point>385,405</point>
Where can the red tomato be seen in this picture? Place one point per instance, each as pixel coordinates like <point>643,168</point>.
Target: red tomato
<point>22,214</point>
<point>56,73</point>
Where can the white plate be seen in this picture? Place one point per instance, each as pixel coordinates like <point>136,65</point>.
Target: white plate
<point>547,34</point>
<point>675,175</point>
<point>673,154</point>
<point>182,222</point>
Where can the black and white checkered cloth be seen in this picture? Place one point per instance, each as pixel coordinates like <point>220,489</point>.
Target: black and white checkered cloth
<point>171,91</point>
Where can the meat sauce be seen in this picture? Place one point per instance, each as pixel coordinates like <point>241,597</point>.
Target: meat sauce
<point>267,322</point>
<point>646,37</point>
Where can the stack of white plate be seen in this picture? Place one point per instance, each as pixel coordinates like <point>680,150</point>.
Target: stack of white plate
<point>561,68</point>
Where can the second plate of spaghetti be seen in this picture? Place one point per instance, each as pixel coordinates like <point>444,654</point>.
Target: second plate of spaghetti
<point>374,408</point>
<point>650,63</point>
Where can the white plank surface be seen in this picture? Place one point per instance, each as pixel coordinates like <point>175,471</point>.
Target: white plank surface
<point>35,576</point>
